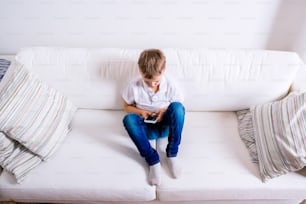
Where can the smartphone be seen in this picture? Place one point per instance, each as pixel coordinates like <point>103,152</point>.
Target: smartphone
<point>151,119</point>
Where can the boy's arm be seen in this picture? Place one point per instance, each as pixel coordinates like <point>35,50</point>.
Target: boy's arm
<point>132,109</point>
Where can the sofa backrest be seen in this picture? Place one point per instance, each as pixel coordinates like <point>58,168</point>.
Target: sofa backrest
<point>299,83</point>
<point>211,80</point>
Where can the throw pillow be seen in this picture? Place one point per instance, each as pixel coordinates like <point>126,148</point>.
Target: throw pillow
<point>16,159</point>
<point>275,134</point>
<point>280,134</point>
<point>34,116</point>
<point>246,132</point>
<point>4,65</point>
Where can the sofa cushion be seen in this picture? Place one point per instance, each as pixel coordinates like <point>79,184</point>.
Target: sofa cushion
<point>34,116</point>
<point>96,162</point>
<point>218,79</point>
<point>217,166</point>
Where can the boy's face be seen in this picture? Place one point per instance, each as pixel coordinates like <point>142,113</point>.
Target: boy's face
<point>154,82</point>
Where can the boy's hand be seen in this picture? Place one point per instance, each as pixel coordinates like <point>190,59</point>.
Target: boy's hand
<point>141,112</point>
<point>160,114</point>
<point>144,114</point>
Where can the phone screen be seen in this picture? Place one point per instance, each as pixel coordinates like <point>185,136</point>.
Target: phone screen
<point>151,119</point>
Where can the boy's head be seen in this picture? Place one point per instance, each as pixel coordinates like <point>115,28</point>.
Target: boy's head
<point>152,63</point>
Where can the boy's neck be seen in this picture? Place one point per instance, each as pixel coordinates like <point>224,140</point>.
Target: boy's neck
<point>155,88</point>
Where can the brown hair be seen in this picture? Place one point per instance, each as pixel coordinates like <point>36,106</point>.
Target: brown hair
<point>151,62</point>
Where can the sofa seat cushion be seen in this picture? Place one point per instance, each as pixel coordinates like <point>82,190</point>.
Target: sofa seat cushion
<point>217,165</point>
<point>96,162</point>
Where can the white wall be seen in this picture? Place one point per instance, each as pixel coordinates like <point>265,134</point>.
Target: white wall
<point>260,24</point>
<point>288,31</point>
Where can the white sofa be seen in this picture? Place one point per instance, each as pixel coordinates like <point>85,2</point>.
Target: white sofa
<point>98,163</point>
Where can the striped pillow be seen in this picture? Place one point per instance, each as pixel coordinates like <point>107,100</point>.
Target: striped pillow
<point>280,135</point>
<point>16,159</point>
<point>34,115</point>
<point>246,132</point>
<point>4,65</point>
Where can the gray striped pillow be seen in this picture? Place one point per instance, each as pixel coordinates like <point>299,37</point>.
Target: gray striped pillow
<point>246,132</point>
<point>16,159</point>
<point>280,134</point>
<point>34,115</point>
<point>4,65</point>
<point>277,132</point>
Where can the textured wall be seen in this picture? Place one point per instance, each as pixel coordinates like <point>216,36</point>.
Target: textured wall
<point>267,24</point>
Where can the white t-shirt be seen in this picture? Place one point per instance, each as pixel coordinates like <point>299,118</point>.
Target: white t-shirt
<point>139,94</point>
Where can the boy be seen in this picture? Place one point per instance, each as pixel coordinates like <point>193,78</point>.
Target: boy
<point>154,94</point>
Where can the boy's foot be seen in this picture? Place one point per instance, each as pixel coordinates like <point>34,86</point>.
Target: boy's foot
<point>155,174</point>
<point>174,167</point>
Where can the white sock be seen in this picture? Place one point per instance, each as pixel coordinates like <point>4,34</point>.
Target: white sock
<point>155,174</point>
<point>174,167</point>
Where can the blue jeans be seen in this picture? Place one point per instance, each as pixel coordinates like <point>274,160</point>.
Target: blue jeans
<point>140,132</point>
